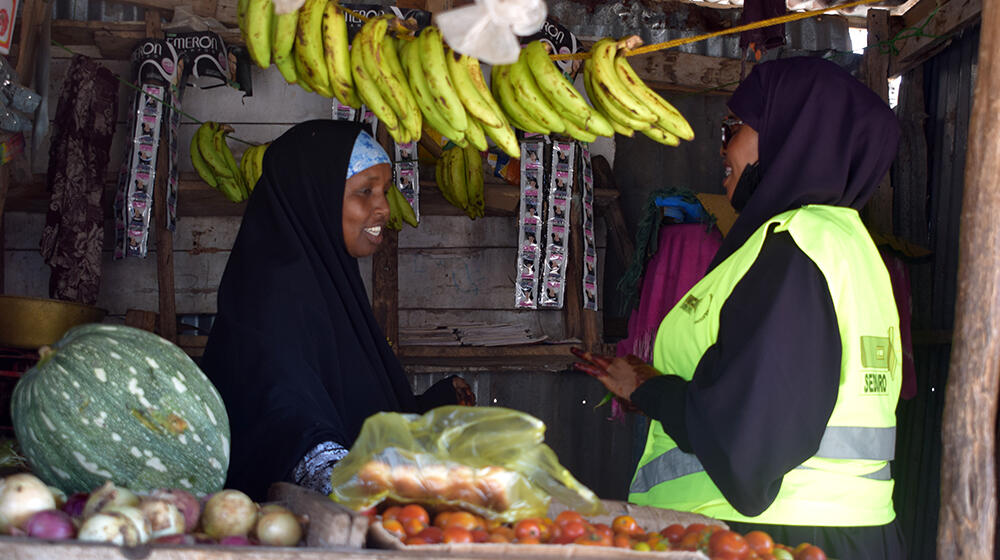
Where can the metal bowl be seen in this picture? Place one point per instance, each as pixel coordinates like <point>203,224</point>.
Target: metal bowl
<point>27,322</point>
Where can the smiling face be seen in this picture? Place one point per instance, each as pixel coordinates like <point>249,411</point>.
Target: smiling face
<point>740,152</point>
<point>365,209</point>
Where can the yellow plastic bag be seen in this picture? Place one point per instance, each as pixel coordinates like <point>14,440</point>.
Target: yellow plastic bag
<point>487,460</point>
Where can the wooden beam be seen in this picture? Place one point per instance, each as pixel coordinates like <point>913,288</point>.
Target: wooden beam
<point>204,8</point>
<point>33,14</point>
<point>877,213</point>
<point>950,18</point>
<point>966,521</point>
<point>385,270</point>
<point>113,39</point>
<point>580,323</point>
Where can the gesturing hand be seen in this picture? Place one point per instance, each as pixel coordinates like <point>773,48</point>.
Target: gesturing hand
<point>621,376</point>
<point>463,392</point>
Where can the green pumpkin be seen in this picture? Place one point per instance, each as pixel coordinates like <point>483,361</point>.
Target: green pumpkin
<point>109,402</point>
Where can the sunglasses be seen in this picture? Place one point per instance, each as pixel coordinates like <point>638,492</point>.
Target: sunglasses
<point>730,125</point>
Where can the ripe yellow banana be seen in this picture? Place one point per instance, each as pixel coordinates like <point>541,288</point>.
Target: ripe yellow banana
<point>423,96</point>
<point>282,41</point>
<point>309,47</point>
<point>460,69</point>
<point>368,91</point>
<point>601,100</point>
<point>557,89</point>
<point>662,135</point>
<point>457,181</point>
<point>405,210</point>
<point>300,73</point>
<point>668,117</point>
<point>258,31</point>
<point>504,137</point>
<point>209,150</point>
<point>474,183</point>
<point>258,162</point>
<point>530,96</point>
<point>241,16</point>
<point>475,135</point>
<point>338,56</point>
<point>391,72</point>
<point>438,80</point>
<point>605,77</point>
<point>395,220</point>
<point>578,133</point>
<point>199,163</point>
<point>503,91</point>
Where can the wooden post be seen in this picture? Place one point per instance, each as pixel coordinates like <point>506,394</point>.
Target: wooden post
<point>385,271</point>
<point>580,323</point>
<point>968,480</point>
<point>164,237</point>
<point>878,212</point>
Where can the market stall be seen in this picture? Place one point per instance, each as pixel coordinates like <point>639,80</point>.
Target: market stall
<point>466,292</point>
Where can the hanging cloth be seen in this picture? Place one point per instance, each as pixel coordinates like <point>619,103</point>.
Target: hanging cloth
<point>78,160</point>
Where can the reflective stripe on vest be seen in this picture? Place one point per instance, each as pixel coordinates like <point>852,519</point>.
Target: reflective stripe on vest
<point>839,442</point>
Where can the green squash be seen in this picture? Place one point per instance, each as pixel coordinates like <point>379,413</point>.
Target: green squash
<point>109,402</point>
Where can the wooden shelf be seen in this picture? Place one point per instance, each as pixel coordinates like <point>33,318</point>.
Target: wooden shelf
<point>114,39</point>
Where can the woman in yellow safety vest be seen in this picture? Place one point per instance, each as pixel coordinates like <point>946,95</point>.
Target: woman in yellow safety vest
<point>774,381</point>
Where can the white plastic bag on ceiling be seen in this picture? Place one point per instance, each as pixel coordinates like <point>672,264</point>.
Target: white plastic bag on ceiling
<point>488,29</point>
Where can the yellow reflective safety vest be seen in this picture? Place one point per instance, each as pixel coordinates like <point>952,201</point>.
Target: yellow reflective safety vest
<point>847,482</point>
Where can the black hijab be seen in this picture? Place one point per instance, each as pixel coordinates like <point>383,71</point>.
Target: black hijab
<point>824,138</point>
<point>295,350</point>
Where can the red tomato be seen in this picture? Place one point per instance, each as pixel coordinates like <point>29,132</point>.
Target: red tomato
<point>413,511</point>
<point>456,535</point>
<point>498,538</point>
<point>412,526</point>
<point>415,540</point>
<point>567,516</point>
<point>390,512</point>
<point>673,533</point>
<point>529,540</point>
<point>441,519</point>
<point>432,535</point>
<point>626,524</point>
<point>728,545</point>
<point>694,528</point>
<point>760,542</point>
<point>593,538</point>
<point>811,552</point>
<point>604,530</point>
<point>573,530</point>
<point>480,535</point>
<point>622,540</point>
<point>394,527</point>
<point>528,529</point>
<point>690,541</point>
<point>465,520</point>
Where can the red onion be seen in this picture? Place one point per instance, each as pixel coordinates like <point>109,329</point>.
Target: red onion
<point>74,504</point>
<point>189,506</point>
<point>174,539</point>
<point>50,524</point>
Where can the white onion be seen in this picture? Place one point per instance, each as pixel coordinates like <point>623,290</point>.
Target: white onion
<point>188,505</point>
<point>228,513</point>
<point>163,516</point>
<point>109,495</point>
<point>109,527</point>
<point>59,496</point>
<point>279,528</point>
<point>21,496</point>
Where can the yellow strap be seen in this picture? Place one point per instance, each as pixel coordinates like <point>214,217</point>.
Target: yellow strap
<point>730,31</point>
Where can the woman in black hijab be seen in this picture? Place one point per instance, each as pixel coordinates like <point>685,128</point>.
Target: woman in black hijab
<point>775,379</point>
<point>295,350</point>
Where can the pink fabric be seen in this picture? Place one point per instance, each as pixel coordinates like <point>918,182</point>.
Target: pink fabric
<point>681,258</point>
<point>899,275</point>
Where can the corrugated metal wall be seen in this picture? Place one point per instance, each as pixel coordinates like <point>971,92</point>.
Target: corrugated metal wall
<point>933,194</point>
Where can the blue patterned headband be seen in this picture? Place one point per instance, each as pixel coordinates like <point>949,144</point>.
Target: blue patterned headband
<point>366,153</point>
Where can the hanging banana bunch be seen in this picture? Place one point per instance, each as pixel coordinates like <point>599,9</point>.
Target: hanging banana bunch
<point>214,161</point>
<point>459,177</point>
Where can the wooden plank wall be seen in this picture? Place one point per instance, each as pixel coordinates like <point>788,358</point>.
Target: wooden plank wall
<point>451,269</point>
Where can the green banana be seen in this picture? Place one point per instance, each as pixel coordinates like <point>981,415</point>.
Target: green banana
<point>530,96</point>
<point>282,41</point>
<point>199,163</point>
<point>423,97</point>
<point>476,136</point>
<point>241,16</point>
<point>474,183</point>
<point>599,108</point>
<point>557,89</point>
<point>662,135</point>
<point>300,73</point>
<point>504,92</point>
<point>258,163</point>
<point>504,137</point>
<point>460,70</point>
<point>258,31</point>
<point>245,163</point>
<point>457,181</point>
<point>369,92</point>
<point>438,80</point>
<point>309,47</point>
<point>578,133</point>
<point>391,72</point>
<point>222,148</point>
<point>395,220</point>
<point>406,211</point>
<point>230,189</point>
<point>209,151</point>
<point>338,56</point>
<point>669,118</point>
<point>601,98</point>
<point>605,77</point>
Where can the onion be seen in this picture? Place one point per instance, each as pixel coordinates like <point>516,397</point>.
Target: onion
<point>163,516</point>
<point>109,527</point>
<point>50,524</point>
<point>59,496</point>
<point>109,495</point>
<point>228,513</point>
<point>279,528</point>
<point>235,540</point>
<point>74,504</point>
<point>174,539</point>
<point>21,496</point>
<point>135,517</point>
<point>188,505</point>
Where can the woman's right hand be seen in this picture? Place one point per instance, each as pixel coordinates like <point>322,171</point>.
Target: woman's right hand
<point>621,376</point>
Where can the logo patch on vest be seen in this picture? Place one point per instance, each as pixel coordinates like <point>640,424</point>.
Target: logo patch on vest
<point>878,357</point>
<point>692,303</point>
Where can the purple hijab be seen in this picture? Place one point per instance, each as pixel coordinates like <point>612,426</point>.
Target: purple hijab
<point>824,138</point>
